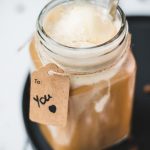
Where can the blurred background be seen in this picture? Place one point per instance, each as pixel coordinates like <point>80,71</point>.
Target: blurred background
<point>17,23</point>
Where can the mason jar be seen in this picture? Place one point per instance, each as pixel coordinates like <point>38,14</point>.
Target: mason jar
<point>102,80</point>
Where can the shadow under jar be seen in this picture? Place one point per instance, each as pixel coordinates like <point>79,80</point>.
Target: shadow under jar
<point>102,81</point>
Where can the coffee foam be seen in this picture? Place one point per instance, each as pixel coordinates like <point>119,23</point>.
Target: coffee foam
<point>79,25</point>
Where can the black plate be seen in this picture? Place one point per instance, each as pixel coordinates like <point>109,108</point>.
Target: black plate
<point>140,29</point>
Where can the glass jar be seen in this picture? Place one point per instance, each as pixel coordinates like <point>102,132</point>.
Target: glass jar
<point>102,82</point>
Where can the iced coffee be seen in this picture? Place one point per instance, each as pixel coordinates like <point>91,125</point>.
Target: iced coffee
<point>94,50</point>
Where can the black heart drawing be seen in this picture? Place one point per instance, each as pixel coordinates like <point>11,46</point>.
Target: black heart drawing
<point>52,108</point>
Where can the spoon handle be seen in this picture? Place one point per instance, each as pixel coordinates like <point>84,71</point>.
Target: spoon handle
<point>113,8</point>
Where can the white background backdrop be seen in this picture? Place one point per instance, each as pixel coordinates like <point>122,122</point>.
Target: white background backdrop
<point>17,23</point>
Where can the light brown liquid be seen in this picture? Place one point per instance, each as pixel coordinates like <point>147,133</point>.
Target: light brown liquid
<point>86,128</point>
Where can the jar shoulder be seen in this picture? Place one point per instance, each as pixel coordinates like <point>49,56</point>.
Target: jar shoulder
<point>128,68</point>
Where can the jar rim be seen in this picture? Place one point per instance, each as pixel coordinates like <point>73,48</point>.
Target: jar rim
<point>44,35</point>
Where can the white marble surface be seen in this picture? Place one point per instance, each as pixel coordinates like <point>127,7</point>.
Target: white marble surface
<point>17,23</point>
<point>136,7</point>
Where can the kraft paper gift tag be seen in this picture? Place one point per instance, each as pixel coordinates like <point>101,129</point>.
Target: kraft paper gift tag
<point>49,96</point>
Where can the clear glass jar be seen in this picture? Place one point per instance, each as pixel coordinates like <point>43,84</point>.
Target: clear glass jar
<point>102,82</point>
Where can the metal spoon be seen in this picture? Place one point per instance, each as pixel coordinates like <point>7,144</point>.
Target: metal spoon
<point>113,4</point>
